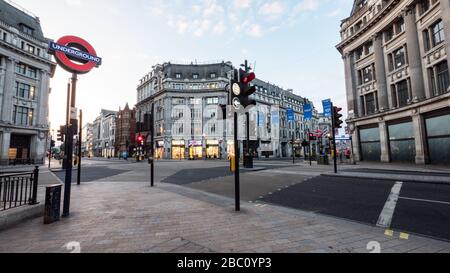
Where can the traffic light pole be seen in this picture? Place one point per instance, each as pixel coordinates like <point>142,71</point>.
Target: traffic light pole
<point>310,148</point>
<point>152,146</point>
<point>236,161</point>
<point>80,139</point>
<point>333,127</point>
<point>67,126</point>
<point>69,147</point>
<point>50,152</point>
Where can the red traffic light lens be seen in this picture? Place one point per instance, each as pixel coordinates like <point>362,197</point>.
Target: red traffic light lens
<point>248,78</point>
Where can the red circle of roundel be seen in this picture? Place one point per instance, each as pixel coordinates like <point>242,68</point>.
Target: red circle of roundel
<point>69,64</point>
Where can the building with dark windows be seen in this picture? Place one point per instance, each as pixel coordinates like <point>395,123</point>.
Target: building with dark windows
<point>188,118</point>
<point>125,131</point>
<point>25,72</point>
<point>396,55</point>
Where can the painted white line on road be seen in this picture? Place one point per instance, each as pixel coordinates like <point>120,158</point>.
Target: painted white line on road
<point>386,215</point>
<point>425,200</point>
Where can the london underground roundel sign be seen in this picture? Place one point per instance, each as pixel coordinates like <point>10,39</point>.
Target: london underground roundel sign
<point>75,54</point>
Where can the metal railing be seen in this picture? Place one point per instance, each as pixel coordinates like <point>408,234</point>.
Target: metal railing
<point>18,189</point>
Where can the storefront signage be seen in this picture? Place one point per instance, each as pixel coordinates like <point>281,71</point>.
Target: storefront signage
<point>160,144</point>
<point>195,143</point>
<point>178,143</point>
<point>212,142</point>
<point>75,54</point>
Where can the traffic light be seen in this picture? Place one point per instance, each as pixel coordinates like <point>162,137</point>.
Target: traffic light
<point>140,140</point>
<point>312,137</point>
<point>61,133</point>
<point>246,89</point>
<point>241,90</point>
<point>337,117</point>
<point>52,144</point>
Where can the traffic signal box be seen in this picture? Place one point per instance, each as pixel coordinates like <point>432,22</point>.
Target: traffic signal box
<point>337,117</point>
<point>61,133</point>
<point>241,89</point>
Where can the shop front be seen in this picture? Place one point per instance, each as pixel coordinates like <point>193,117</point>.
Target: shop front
<point>178,149</point>
<point>230,149</point>
<point>438,138</point>
<point>370,143</point>
<point>19,150</point>
<point>212,149</point>
<point>159,152</point>
<point>402,145</point>
<point>195,149</point>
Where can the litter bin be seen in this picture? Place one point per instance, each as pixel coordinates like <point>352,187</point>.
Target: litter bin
<point>52,204</point>
<point>248,162</point>
<point>323,160</point>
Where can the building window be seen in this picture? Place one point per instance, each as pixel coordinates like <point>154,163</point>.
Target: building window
<point>26,70</point>
<point>213,75</point>
<point>388,34</point>
<point>23,115</point>
<point>25,91</point>
<point>370,104</point>
<point>369,48</point>
<point>400,94</point>
<point>366,75</point>
<point>195,76</point>
<point>400,26</point>
<point>214,100</point>
<point>438,33</point>
<point>178,75</point>
<point>424,6</point>
<point>27,30</point>
<point>29,48</point>
<point>397,59</point>
<point>442,76</point>
<point>434,35</point>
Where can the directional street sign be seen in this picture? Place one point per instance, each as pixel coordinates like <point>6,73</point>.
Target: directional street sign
<point>327,108</point>
<point>290,115</point>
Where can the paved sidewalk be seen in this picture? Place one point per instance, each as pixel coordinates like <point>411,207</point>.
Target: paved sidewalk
<point>132,217</point>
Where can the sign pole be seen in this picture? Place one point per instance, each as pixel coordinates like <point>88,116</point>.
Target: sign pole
<point>50,152</point>
<point>80,139</point>
<point>152,146</point>
<point>69,140</point>
<point>236,163</point>
<point>333,125</point>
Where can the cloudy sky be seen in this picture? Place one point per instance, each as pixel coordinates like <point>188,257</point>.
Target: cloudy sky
<point>290,43</point>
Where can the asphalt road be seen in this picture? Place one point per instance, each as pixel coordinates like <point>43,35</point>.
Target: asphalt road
<point>420,208</point>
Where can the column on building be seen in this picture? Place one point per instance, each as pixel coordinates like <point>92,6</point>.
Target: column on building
<point>445,11</point>
<point>384,142</point>
<point>356,145</point>
<point>5,140</point>
<point>414,59</point>
<point>420,139</point>
<point>43,104</point>
<point>352,97</point>
<point>380,72</point>
<point>8,91</point>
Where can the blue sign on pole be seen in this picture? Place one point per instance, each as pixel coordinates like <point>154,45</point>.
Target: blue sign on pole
<point>327,108</point>
<point>261,119</point>
<point>290,115</point>
<point>307,109</point>
<point>275,118</point>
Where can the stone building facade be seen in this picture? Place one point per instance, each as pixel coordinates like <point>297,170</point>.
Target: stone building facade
<point>25,72</point>
<point>186,100</point>
<point>125,141</point>
<point>104,130</point>
<point>396,55</point>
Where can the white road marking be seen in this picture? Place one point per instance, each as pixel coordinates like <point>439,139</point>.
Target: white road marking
<point>386,215</point>
<point>425,200</point>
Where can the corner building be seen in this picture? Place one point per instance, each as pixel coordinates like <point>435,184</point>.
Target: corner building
<point>396,55</point>
<point>25,72</point>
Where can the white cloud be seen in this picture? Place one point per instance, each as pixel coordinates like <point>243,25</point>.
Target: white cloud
<point>73,2</point>
<point>220,28</point>
<point>211,8</point>
<point>272,10</point>
<point>241,4</point>
<point>256,31</point>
